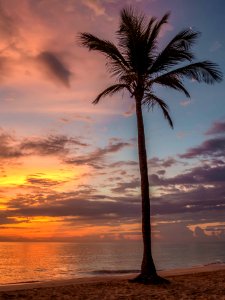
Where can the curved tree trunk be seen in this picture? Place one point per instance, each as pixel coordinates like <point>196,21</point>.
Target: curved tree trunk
<point>148,271</point>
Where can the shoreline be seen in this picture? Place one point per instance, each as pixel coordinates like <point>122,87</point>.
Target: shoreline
<point>106,278</point>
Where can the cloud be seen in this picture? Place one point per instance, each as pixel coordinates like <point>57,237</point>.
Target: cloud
<point>7,26</point>
<point>12,147</point>
<point>55,68</point>
<point>201,200</point>
<point>77,117</point>
<point>161,172</point>
<point>6,69</point>
<point>127,187</point>
<point>130,111</point>
<point>121,163</point>
<point>5,218</point>
<point>27,42</point>
<point>50,145</point>
<point>167,230</point>
<point>185,103</point>
<point>87,205</point>
<point>199,175</point>
<point>181,134</point>
<point>34,180</point>
<point>8,146</point>
<point>217,128</point>
<point>90,207</point>
<point>98,155</point>
<point>156,162</point>
<point>211,147</point>
<point>95,6</point>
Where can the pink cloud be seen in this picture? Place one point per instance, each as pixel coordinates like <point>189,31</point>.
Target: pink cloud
<point>185,102</point>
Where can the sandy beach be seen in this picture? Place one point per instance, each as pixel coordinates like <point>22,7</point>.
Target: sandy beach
<point>194,283</point>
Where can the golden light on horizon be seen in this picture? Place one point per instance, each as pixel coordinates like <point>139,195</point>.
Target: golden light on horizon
<point>205,226</point>
<point>66,227</point>
<point>40,171</point>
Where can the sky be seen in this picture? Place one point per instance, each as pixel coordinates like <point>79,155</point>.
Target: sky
<point>69,169</point>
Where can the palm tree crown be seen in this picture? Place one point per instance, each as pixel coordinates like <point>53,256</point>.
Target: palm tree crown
<point>138,64</point>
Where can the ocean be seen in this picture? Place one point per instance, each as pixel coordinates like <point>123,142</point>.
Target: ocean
<point>29,262</point>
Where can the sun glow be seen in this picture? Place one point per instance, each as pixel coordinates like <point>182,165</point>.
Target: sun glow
<point>12,180</point>
<point>30,177</point>
<point>40,171</point>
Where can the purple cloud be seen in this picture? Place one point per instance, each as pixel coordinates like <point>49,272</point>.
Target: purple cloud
<point>127,187</point>
<point>211,147</point>
<point>217,127</point>
<point>50,145</point>
<point>156,162</point>
<point>96,156</point>
<point>12,147</point>
<point>8,147</point>
<point>199,175</point>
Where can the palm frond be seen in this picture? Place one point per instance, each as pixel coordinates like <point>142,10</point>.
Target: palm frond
<point>131,23</point>
<point>172,81</point>
<point>152,40</point>
<point>110,91</point>
<point>130,79</point>
<point>185,38</point>
<point>130,38</point>
<point>129,29</point>
<point>148,29</point>
<point>106,47</point>
<point>177,50</point>
<point>204,71</point>
<point>150,100</point>
<point>133,35</point>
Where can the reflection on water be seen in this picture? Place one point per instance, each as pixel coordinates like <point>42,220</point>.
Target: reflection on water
<point>23,262</point>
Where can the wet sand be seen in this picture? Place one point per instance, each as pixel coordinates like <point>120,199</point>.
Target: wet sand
<point>194,283</point>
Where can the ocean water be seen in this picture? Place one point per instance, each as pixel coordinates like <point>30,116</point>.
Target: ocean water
<point>28,262</point>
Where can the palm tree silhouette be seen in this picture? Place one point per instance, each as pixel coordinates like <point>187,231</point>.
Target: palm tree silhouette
<point>137,64</point>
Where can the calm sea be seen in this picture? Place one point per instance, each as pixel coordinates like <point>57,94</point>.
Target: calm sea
<point>26,262</point>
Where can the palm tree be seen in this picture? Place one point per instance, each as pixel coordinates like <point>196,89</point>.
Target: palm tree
<point>137,64</point>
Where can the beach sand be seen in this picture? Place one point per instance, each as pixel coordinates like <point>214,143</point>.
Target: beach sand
<point>195,283</point>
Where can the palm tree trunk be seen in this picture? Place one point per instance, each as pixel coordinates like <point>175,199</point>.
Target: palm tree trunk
<point>147,268</point>
<point>148,273</point>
